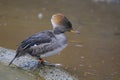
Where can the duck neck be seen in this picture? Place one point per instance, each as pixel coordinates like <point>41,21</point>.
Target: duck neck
<point>58,30</point>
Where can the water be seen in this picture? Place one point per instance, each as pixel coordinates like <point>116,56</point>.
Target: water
<point>92,55</point>
<point>7,73</point>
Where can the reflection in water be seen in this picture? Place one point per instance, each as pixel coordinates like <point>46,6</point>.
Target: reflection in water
<point>94,54</point>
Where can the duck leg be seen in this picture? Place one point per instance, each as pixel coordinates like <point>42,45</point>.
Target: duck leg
<point>46,63</point>
<point>41,61</point>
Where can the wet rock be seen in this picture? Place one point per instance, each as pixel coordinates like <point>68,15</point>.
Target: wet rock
<point>29,63</point>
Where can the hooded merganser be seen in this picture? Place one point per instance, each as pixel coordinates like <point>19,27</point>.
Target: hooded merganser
<point>48,42</point>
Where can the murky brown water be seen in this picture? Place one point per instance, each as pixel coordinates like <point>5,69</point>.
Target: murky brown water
<point>93,55</point>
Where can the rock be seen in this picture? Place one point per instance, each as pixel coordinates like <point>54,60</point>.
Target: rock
<point>28,63</point>
<point>108,1</point>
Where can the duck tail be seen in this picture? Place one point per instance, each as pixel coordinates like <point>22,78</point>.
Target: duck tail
<point>13,59</point>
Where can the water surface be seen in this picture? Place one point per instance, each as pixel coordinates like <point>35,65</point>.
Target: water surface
<point>92,55</point>
<point>8,73</point>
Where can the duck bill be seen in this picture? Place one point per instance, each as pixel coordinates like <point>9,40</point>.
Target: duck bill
<point>75,31</point>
